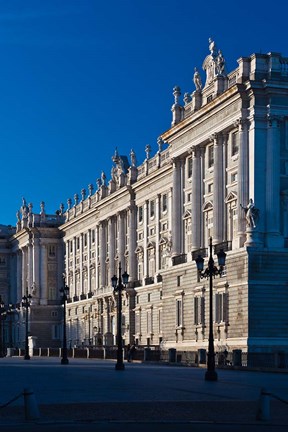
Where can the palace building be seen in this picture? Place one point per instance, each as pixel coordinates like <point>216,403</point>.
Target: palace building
<point>220,172</point>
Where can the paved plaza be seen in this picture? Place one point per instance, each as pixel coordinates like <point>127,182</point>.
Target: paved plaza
<point>90,394</point>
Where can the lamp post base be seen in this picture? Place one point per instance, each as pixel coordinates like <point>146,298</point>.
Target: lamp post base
<point>211,375</point>
<point>64,361</point>
<point>119,366</point>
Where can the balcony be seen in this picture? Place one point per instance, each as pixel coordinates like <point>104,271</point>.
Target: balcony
<point>179,259</point>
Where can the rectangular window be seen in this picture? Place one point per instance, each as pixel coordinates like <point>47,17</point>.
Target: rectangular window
<point>210,156</point>
<point>85,240</point>
<point>221,307</point>
<point>56,331</point>
<point>52,250</point>
<point>140,214</point>
<point>164,203</point>
<point>179,313</point>
<point>210,187</point>
<point>152,209</point>
<point>199,310</point>
<point>93,236</point>
<point>234,144</point>
<point>233,177</point>
<point>189,173</point>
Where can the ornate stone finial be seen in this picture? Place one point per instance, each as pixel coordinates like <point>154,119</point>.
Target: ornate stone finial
<point>76,199</point>
<point>176,94</point>
<point>197,80</point>
<point>103,178</point>
<point>133,158</point>
<point>61,209</point>
<point>42,207</point>
<point>212,47</point>
<point>220,64</point>
<point>90,189</point>
<point>83,194</point>
<point>30,207</point>
<point>69,203</point>
<point>251,213</point>
<point>115,157</point>
<point>160,143</point>
<point>18,216</point>
<point>24,209</point>
<point>147,151</point>
<point>187,98</point>
<point>99,183</point>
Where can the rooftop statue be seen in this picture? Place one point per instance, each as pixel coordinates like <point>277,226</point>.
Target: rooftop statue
<point>197,80</point>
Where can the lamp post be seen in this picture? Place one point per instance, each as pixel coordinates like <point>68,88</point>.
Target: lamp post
<point>26,303</point>
<point>118,287</point>
<point>65,293</point>
<point>210,272</point>
<point>2,317</point>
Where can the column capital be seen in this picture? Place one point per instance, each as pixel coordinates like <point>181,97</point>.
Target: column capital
<point>274,120</point>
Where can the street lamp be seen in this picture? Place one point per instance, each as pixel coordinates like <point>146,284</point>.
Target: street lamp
<point>118,287</point>
<point>26,302</point>
<point>2,318</point>
<point>210,272</point>
<point>65,293</point>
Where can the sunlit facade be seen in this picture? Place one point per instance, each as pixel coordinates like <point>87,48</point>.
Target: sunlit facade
<point>226,151</point>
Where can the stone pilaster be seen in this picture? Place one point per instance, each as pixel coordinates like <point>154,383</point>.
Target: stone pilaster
<point>102,240</point>
<point>273,237</point>
<point>196,210</point>
<point>111,242</point>
<point>43,272</point>
<point>176,208</point>
<point>243,179</point>
<point>218,189</point>
<point>132,243</point>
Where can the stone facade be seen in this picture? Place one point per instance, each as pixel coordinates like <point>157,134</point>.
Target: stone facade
<point>220,172</point>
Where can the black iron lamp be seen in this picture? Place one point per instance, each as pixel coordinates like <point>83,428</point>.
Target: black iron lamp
<point>26,303</point>
<point>210,272</point>
<point>64,294</point>
<point>119,284</point>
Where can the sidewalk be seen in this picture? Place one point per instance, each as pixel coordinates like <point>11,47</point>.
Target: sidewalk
<point>92,391</point>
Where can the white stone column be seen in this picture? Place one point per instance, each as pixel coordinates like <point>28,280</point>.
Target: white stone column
<point>157,216</point>
<point>89,249</point>
<point>30,265</point>
<point>24,271</point>
<point>145,239</point>
<point>81,246</point>
<point>273,237</point>
<point>132,243</point>
<point>176,208</point>
<point>196,199</point>
<point>102,252</point>
<point>97,257</point>
<point>36,268</point>
<point>111,241</point>
<point>218,189</point>
<point>121,238</point>
<point>19,273</point>
<point>243,179</point>
<point>43,273</point>
<point>202,174</point>
<point>74,285</point>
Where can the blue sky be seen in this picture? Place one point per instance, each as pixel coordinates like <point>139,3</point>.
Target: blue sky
<point>78,78</point>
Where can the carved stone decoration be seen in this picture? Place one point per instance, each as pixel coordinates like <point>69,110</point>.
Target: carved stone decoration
<point>251,214</point>
<point>214,63</point>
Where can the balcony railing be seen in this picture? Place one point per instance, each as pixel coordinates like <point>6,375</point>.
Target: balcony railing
<point>179,259</point>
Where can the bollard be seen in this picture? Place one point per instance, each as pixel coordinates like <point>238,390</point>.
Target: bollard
<point>30,405</point>
<point>263,412</point>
